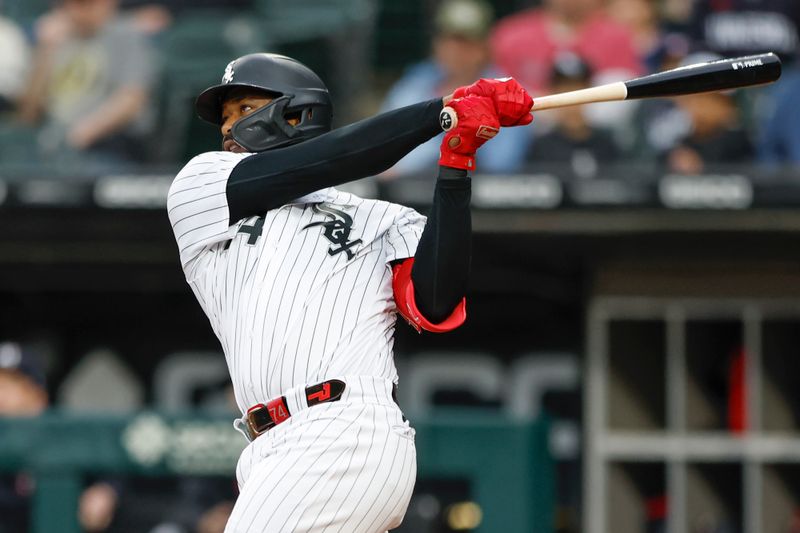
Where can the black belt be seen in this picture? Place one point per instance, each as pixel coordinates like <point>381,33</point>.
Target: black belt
<point>263,417</point>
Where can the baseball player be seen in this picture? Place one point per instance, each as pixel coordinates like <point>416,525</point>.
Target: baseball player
<point>302,283</point>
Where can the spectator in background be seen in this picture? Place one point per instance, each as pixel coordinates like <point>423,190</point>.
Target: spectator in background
<point>675,14</point>
<point>22,394</point>
<point>180,504</point>
<point>714,134</point>
<point>92,76</point>
<point>460,55</point>
<point>177,6</point>
<point>741,27</point>
<point>22,382</point>
<point>779,133</point>
<point>14,62</point>
<point>655,49</point>
<point>153,17</point>
<point>572,141</point>
<point>177,505</point>
<point>525,44</point>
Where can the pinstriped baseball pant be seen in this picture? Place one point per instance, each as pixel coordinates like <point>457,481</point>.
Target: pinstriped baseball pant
<point>346,466</point>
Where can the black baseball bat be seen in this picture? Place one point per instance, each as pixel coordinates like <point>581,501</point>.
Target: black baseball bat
<point>717,75</point>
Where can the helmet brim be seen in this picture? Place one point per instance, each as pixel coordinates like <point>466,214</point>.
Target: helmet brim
<point>208,104</point>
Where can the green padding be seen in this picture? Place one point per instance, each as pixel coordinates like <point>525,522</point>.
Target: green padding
<point>506,462</point>
<point>56,502</point>
<point>25,11</point>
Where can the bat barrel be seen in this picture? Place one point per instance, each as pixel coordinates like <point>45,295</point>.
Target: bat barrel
<point>703,77</point>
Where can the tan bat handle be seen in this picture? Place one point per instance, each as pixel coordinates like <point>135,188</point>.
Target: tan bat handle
<point>448,118</point>
<point>602,93</point>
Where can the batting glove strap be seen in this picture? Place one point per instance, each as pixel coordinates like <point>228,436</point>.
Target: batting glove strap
<point>469,122</point>
<point>453,160</point>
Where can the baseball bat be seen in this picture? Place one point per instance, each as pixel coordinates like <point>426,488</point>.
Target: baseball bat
<point>717,75</point>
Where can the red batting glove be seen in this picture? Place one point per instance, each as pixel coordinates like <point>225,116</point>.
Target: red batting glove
<point>469,122</point>
<point>511,101</point>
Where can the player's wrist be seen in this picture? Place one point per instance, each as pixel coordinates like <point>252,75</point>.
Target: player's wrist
<point>452,160</point>
<point>451,173</point>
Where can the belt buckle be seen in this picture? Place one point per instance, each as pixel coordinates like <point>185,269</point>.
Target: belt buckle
<point>261,418</point>
<point>258,420</point>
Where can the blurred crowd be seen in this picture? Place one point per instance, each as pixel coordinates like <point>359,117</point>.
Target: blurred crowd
<point>92,83</point>
<point>565,45</point>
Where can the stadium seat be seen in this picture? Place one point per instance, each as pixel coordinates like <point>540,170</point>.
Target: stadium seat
<point>25,12</point>
<point>101,383</point>
<point>17,144</point>
<point>194,54</point>
<point>311,19</point>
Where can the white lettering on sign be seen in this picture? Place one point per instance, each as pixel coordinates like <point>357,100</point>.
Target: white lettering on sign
<point>706,192</point>
<point>541,191</point>
<point>134,192</point>
<point>731,31</point>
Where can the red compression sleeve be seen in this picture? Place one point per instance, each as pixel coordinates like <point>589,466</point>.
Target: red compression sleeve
<point>403,287</point>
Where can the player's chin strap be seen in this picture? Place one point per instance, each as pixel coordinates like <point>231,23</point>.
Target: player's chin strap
<point>266,128</point>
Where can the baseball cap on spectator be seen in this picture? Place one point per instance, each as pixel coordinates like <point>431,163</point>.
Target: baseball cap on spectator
<point>569,66</point>
<point>464,18</point>
<point>15,358</point>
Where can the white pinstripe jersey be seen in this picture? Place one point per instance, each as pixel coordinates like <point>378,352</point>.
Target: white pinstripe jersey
<point>299,294</point>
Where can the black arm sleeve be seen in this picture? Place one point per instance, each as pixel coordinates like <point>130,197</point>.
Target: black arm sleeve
<point>441,264</point>
<point>269,179</point>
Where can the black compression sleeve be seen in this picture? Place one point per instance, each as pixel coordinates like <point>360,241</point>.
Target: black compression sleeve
<point>441,264</point>
<point>269,179</point>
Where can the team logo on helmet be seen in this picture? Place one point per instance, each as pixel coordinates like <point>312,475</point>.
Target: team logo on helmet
<point>228,76</point>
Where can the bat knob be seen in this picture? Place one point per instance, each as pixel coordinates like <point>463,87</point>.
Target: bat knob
<point>448,119</point>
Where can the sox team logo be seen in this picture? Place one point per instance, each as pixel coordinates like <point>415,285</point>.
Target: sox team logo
<point>337,230</point>
<point>227,77</point>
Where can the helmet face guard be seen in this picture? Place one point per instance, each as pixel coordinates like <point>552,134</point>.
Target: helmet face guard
<point>297,89</point>
<point>266,128</point>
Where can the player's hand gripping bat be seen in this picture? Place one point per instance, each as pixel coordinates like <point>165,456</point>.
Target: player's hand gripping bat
<point>698,78</point>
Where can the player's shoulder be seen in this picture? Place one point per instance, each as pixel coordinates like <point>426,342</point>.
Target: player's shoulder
<point>206,168</point>
<point>373,206</point>
<point>210,161</point>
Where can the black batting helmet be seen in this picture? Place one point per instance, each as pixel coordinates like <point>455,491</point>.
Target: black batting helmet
<point>297,90</point>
